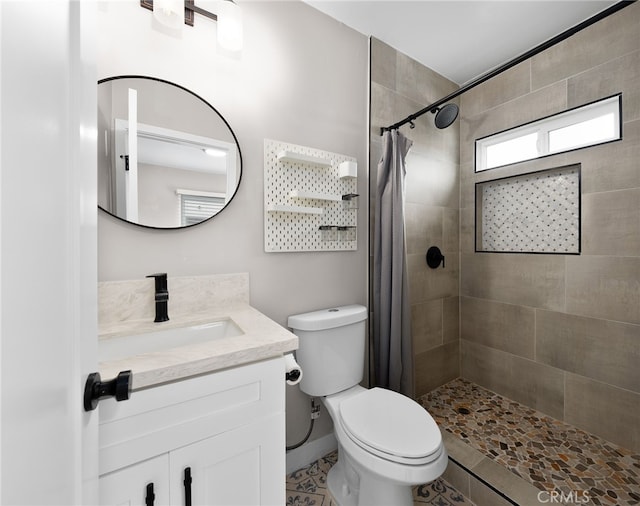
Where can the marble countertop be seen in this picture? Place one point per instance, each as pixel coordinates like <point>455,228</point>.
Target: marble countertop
<point>262,339</point>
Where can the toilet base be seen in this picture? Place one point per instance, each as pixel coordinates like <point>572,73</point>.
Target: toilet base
<point>348,488</point>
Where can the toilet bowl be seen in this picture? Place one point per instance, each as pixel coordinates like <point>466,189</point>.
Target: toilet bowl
<point>387,443</point>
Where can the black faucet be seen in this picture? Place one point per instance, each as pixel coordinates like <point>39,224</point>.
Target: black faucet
<point>162,297</point>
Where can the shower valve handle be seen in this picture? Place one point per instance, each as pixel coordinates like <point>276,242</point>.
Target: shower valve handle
<point>435,257</point>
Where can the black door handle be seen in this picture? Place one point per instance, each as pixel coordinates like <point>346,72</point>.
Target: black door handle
<point>96,389</point>
<point>150,497</point>
<point>187,486</point>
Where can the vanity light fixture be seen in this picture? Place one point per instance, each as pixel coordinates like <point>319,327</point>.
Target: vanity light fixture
<point>170,13</point>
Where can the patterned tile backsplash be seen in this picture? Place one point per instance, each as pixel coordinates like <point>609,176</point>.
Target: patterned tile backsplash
<point>530,213</point>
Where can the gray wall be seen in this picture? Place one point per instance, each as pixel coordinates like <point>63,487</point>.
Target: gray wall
<point>301,78</point>
<point>400,86</point>
<point>562,333</point>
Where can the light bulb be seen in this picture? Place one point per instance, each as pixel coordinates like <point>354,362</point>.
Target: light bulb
<point>169,13</point>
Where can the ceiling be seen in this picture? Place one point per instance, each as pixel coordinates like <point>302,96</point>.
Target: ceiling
<point>461,40</point>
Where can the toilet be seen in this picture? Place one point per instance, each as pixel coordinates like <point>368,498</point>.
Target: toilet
<point>387,443</point>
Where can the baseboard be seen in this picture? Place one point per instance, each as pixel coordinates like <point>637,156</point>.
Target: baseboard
<point>310,452</point>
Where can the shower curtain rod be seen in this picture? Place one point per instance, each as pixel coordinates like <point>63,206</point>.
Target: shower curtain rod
<point>518,59</point>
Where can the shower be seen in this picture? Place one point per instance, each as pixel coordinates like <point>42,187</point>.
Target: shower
<point>445,115</point>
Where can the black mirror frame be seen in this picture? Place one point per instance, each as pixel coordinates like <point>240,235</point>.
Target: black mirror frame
<point>134,76</point>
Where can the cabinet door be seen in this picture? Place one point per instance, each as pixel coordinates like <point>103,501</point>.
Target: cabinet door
<point>241,467</point>
<point>129,486</point>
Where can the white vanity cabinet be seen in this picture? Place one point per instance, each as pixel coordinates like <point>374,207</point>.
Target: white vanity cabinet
<point>225,430</point>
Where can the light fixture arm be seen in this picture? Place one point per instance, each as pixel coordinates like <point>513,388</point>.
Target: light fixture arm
<point>194,8</point>
<point>228,18</point>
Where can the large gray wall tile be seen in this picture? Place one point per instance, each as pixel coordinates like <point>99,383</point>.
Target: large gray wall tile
<point>423,226</point>
<point>531,383</point>
<point>528,280</point>
<point>419,83</point>
<point>611,223</point>
<point>450,230</point>
<point>429,284</point>
<point>451,319</point>
<point>436,367</point>
<point>509,85</point>
<point>611,37</point>
<point>610,412</point>
<point>600,349</point>
<point>426,325</point>
<point>612,166</point>
<point>604,287</point>
<point>506,327</point>
<point>430,180</point>
<point>619,75</point>
<point>383,64</point>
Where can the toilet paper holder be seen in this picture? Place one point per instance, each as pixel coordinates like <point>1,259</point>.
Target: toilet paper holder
<point>292,375</point>
<point>292,370</point>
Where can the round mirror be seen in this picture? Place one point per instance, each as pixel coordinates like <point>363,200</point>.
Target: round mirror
<point>166,157</point>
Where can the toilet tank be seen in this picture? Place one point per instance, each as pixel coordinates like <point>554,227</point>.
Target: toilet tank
<point>331,348</point>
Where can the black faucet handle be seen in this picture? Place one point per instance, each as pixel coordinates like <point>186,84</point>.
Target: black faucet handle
<point>161,281</point>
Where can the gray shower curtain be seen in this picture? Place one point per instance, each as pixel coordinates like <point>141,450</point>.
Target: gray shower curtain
<point>392,348</point>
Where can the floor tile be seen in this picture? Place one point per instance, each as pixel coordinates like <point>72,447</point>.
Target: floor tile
<point>308,487</point>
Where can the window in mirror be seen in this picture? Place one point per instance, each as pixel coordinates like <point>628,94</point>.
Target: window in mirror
<point>584,126</point>
<point>197,207</point>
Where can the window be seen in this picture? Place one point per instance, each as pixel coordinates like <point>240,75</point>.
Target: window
<point>588,125</point>
<point>197,206</point>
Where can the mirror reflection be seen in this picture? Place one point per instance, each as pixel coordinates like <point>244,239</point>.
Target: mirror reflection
<point>166,158</point>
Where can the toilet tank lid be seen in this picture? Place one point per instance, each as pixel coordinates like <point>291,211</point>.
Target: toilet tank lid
<point>328,318</point>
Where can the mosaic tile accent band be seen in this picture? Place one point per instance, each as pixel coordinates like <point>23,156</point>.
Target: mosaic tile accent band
<point>550,454</point>
<point>533,213</point>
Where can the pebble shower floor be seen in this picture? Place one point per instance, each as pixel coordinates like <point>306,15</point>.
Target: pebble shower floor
<point>549,453</point>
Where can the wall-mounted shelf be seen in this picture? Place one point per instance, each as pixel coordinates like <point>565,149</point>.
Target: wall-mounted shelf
<point>292,156</point>
<point>274,208</point>
<point>304,190</point>
<point>298,194</point>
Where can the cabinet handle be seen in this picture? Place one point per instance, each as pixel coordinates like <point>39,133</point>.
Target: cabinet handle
<point>187,486</point>
<point>150,497</point>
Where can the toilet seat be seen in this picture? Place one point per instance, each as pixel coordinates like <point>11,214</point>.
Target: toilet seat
<point>391,426</point>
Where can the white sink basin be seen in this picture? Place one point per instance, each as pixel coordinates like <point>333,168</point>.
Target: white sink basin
<point>116,348</point>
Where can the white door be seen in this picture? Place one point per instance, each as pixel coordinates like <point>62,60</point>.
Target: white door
<point>48,251</point>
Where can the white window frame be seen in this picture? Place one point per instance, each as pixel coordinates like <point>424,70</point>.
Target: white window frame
<point>218,201</point>
<point>609,105</point>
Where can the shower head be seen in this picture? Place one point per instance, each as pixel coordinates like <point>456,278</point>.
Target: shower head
<point>445,115</point>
